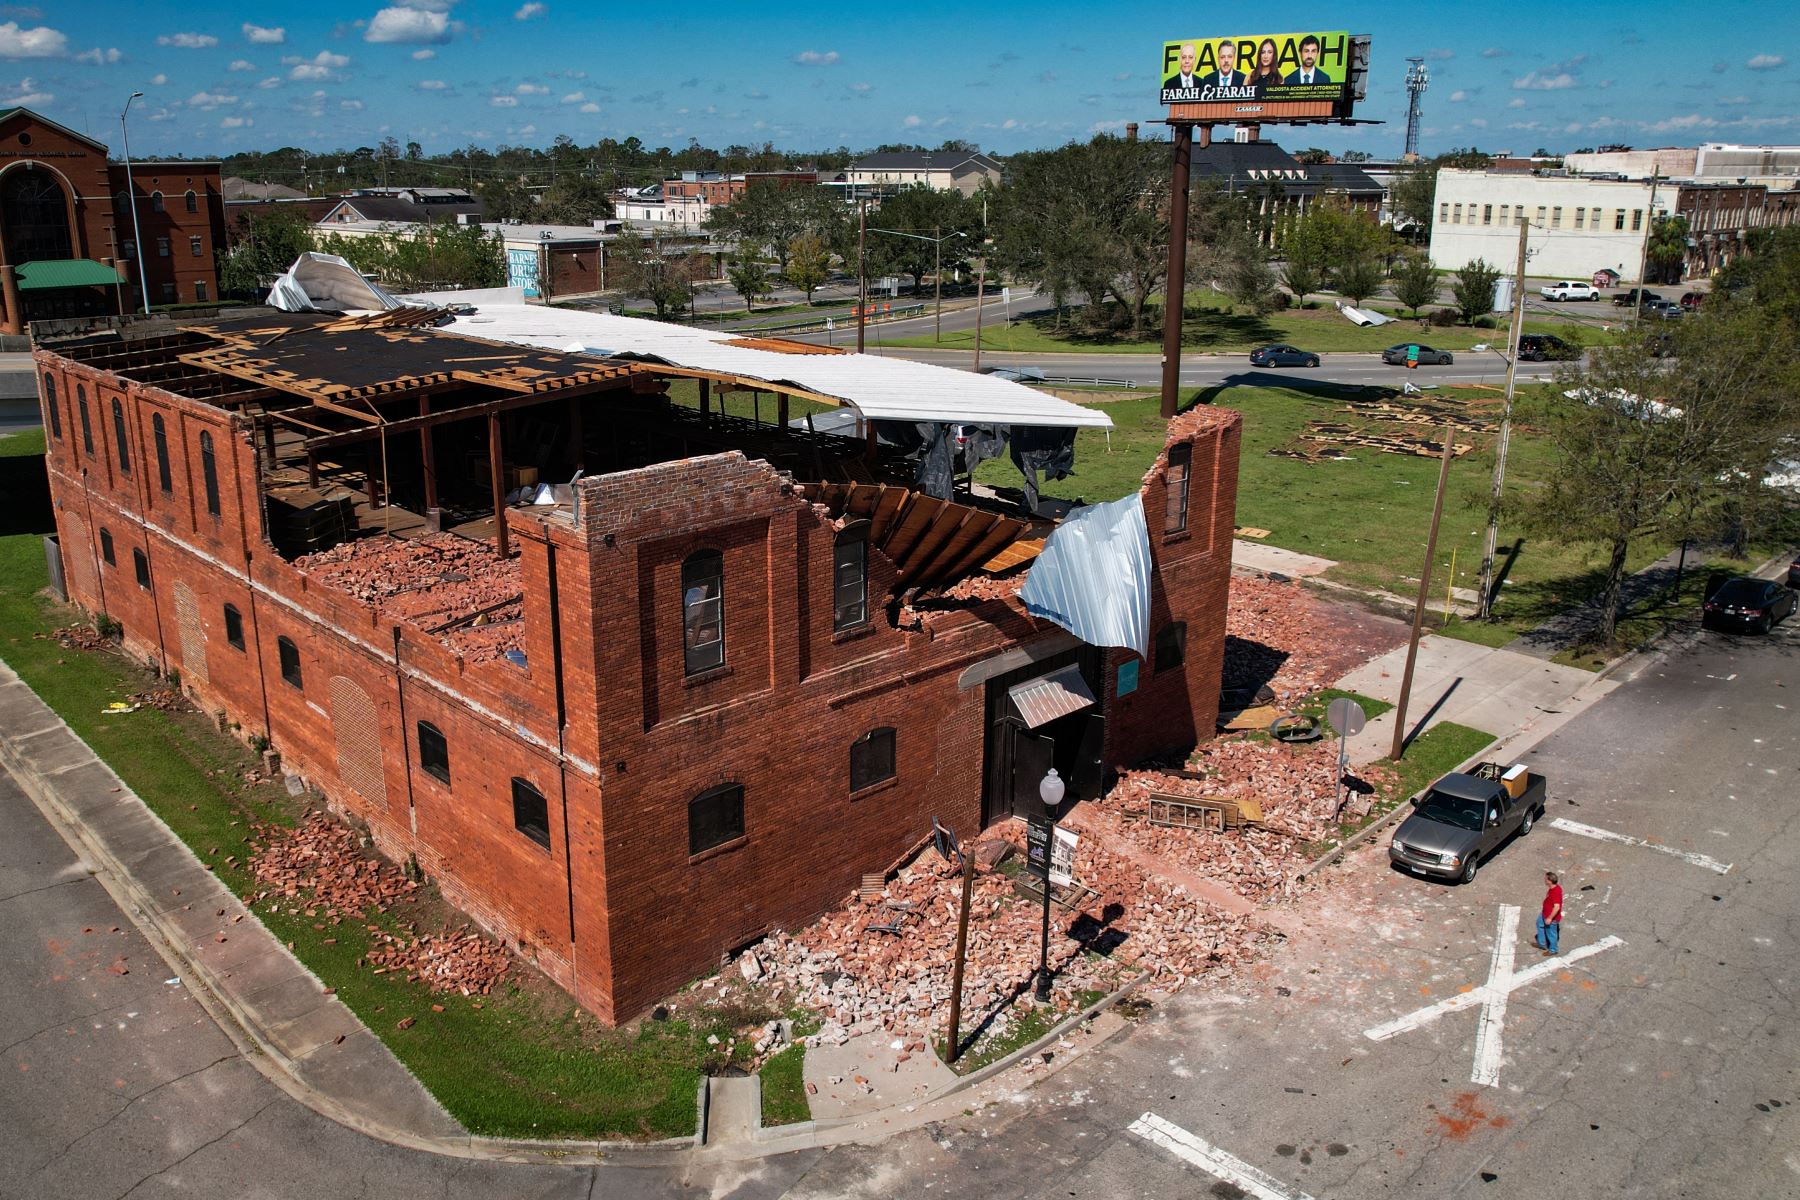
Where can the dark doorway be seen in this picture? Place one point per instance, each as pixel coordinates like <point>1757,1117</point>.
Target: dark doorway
<point>1017,756</point>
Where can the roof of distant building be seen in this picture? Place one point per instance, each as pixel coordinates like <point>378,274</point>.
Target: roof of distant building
<point>392,208</point>
<point>233,187</point>
<point>1342,177</point>
<point>924,160</point>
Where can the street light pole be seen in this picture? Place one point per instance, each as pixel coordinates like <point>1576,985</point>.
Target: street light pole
<point>937,282</point>
<point>137,240</point>
<point>1050,791</point>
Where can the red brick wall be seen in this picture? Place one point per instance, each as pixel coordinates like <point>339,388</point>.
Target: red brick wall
<point>182,275</point>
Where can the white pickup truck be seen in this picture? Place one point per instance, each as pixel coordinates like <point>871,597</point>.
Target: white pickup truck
<point>1566,290</point>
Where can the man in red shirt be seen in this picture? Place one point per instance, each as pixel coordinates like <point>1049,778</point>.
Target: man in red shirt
<point>1549,926</point>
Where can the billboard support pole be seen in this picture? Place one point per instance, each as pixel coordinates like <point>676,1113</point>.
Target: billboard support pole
<point>1175,289</point>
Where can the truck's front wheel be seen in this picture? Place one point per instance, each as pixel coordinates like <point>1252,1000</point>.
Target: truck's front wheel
<point>1468,872</point>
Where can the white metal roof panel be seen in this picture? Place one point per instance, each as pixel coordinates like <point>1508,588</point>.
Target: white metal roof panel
<point>1044,699</point>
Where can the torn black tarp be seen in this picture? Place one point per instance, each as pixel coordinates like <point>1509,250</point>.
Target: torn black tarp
<point>1042,449</point>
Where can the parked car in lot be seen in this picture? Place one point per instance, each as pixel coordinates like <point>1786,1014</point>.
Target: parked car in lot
<point>1668,310</point>
<point>1465,818</point>
<point>1749,605</point>
<point>1632,296</point>
<point>1280,355</point>
<point>1794,574</point>
<point>1568,289</point>
<point>1396,355</point>
<point>1690,301</point>
<point>1543,347</point>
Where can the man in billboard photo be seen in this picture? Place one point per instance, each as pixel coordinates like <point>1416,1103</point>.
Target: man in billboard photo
<point>1309,64</point>
<point>1185,78</point>
<point>1227,75</point>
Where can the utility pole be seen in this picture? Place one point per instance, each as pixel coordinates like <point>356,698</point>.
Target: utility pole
<point>1637,310</point>
<point>862,271</point>
<point>1175,288</point>
<point>1486,599</point>
<point>937,277</point>
<point>980,294</point>
<point>1412,646</point>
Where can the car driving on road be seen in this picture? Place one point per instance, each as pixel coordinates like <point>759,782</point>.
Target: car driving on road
<point>1464,818</point>
<point>1280,355</point>
<point>1397,355</point>
<point>1543,347</point>
<point>1748,604</point>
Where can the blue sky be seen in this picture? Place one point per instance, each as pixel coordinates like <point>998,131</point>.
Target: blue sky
<point>1007,74</point>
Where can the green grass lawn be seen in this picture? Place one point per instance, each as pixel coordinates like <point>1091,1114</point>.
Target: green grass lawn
<point>784,1088</point>
<point>1212,325</point>
<point>525,1063</point>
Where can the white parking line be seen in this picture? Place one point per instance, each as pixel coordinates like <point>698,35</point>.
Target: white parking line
<point>1607,835</point>
<point>1493,1010</point>
<point>1214,1161</point>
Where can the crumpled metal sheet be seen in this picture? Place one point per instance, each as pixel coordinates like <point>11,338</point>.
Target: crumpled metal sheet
<point>1093,577</point>
<point>326,283</point>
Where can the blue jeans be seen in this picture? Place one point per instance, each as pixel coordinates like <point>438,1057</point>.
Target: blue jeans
<point>1548,932</point>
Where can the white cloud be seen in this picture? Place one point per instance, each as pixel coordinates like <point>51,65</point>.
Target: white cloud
<point>323,65</point>
<point>258,35</point>
<point>913,122</point>
<point>531,89</point>
<point>574,98</point>
<point>432,85</point>
<point>1496,52</point>
<point>527,130</point>
<point>241,64</point>
<point>1516,102</point>
<point>350,105</point>
<point>528,11</point>
<point>42,42</point>
<point>589,107</point>
<point>423,55</point>
<point>862,89</point>
<point>1478,122</point>
<point>28,95</point>
<point>1534,82</point>
<point>237,122</point>
<point>158,79</point>
<point>99,57</point>
<point>273,81</point>
<point>1458,96</point>
<point>504,101</point>
<point>406,24</point>
<point>210,100</point>
<point>188,41</point>
<point>1441,54</point>
<point>1766,62</point>
<point>815,58</point>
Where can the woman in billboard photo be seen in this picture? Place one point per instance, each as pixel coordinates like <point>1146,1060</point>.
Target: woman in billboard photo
<point>1265,71</point>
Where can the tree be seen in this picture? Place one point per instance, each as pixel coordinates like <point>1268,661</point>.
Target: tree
<point>1355,156</point>
<point>640,268</point>
<point>1415,282</point>
<point>573,200</point>
<point>431,257</point>
<point>927,212</point>
<point>1359,278</point>
<point>749,278</point>
<point>1301,276</point>
<point>1248,278</point>
<point>1413,198</point>
<point>1474,289</point>
<point>808,264</point>
<point>268,242</point>
<point>1668,247</point>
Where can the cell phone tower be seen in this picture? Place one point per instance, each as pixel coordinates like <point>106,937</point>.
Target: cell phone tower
<point>1416,79</point>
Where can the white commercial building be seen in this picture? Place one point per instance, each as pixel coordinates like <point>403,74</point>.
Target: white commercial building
<point>1578,225</point>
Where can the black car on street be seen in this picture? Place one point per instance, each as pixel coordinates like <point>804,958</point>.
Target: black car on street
<point>1397,355</point>
<point>1280,355</point>
<point>1749,605</point>
<point>1543,347</point>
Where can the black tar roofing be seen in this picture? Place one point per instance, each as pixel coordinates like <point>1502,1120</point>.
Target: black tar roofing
<point>390,208</point>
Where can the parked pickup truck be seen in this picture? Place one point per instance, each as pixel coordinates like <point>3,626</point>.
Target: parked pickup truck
<point>1466,817</point>
<point>1637,296</point>
<point>1568,290</point>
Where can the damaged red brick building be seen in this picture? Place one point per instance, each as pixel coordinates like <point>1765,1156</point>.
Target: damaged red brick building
<point>632,722</point>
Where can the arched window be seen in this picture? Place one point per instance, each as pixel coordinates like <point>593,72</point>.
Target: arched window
<point>850,577</point>
<point>703,610</point>
<point>715,816</point>
<point>531,812</point>
<point>55,408</point>
<point>872,758</point>
<point>289,654</point>
<point>193,202</point>
<point>209,468</point>
<point>118,411</point>
<point>156,202</point>
<point>106,548</point>
<point>159,433</point>
<point>87,426</point>
<point>34,211</point>
<point>434,752</point>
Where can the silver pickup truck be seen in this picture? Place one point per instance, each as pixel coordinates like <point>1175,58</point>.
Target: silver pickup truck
<point>1464,818</point>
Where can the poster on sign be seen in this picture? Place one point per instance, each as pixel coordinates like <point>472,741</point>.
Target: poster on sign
<point>1262,74</point>
<point>1062,857</point>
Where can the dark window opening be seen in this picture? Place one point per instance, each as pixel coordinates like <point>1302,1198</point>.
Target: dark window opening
<point>106,548</point>
<point>290,662</point>
<point>531,813</point>
<point>871,759</point>
<point>434,752</point>
<point>200,289</point>
<point>850,577</point>
<point>34,212</point>
<point>209,467</point>
<point>118,411</point>
<point>159,433</point>
<point>140,563</point>
<point>55,408</point>
<point>715,816</point>
<point>1175,488</point>
<point>703,610</point>
<point>87,426</point>
<point>193,201</point>
<point>194,245</point>
<point>1171,645</point>
<point>156,201</point>
<point>234,626</point>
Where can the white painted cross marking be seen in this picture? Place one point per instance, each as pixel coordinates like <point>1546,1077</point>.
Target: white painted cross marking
<point>1502,982</point>
<point>1607,835</point>
<point>1214,1161</point>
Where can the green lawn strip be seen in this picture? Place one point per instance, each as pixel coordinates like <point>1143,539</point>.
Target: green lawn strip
<point>1026,1027</point>
<point>1429,756</point>
<point>784,1088</point>
<point>1316,704</point>
<point>749,406</point>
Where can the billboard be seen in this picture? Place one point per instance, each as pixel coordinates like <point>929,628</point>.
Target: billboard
<point>1263,76</point>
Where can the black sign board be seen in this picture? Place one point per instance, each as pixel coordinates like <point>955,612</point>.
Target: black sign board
<point>1038,833</point>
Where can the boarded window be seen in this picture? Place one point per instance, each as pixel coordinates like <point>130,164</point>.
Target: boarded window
<point>715,816</point>
<point>209,470</point>
<point>87,426</point>
<point>356,722</point>
<point>290,662</point>
<point>54,408</point>
<point>871,759</point>
<point>193,635</point>
<point>1171,645</point>
<point>124,448</point>
<point>140,566</point>
<point>703,610</point>
<point>850,577</point>
<point>1175,488</point>
<point>234,626</point>
<point>531,814</point>
<point>434,752</point>
<point>159,433</point>
<point>106,548</point>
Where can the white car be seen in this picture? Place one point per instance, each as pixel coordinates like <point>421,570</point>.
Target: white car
<point>1567,290</point>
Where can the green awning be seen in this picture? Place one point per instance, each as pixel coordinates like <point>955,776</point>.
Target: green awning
<point>65,273</point>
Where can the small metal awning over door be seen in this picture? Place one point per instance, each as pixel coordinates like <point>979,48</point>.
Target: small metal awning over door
<point>1042,700</point>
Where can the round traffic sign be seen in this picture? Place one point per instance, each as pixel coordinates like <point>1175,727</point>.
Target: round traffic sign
<point>1346,716</point>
